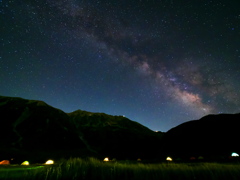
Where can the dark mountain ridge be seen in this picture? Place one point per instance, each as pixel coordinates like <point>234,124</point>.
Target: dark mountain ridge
<point>34,126</point>
<point>34,130</point>
<point>116,136</point>
<point>210,136</point>
<point>30,127</point>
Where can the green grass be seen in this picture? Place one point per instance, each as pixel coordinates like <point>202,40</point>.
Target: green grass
<point>87,169</point>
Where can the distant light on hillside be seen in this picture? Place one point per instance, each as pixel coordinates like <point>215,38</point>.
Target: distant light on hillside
<point>106,159</point>
<point>235,154</point>
<point>169,159</point>
<point>26,163</point>
<point>49,162</point>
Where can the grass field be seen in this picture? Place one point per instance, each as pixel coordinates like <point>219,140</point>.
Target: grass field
<point>87,169</point>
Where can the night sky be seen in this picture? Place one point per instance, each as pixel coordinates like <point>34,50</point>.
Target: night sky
<point>157,62</point>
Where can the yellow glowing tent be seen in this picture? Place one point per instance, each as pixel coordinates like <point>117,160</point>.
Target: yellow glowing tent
<point>106,159</point>
<point>49,161</point>
<point>169,159</point>
<point>25,163</point>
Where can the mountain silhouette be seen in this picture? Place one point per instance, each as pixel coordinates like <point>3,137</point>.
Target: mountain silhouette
<point>116,136</point>
<point>213,136</point>
<point>34,129</point>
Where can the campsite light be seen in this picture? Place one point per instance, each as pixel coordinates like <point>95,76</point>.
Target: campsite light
<point>192,158</point>
<point>200,158</point>
<point>235,154</point>
<point>106,159</point>
<point>5,162</point>
<point>25,163</point>
<point>169,159</point>
<point>49,162</point>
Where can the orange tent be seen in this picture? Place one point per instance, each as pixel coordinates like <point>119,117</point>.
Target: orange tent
<point>5,162</point>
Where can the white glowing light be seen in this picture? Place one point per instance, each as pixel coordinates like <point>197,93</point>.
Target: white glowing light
<point>235,154</point>
<point>49,162</point>
<point>106,159</point>
<point>169,159</point>
<point>26,163</point>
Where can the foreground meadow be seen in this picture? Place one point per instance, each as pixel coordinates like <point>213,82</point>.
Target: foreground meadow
<point>76,168</point>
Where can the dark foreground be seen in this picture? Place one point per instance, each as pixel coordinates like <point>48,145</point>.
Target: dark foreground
<point>91,168</point>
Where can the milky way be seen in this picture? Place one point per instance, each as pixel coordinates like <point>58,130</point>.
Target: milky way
<point>160,63</point>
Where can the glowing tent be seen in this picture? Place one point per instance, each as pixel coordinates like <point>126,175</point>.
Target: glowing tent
<point>5,162</point>
<point>169,159</point>
<point>235,154</point>
<point>25,163</point>
<point>106,159</point>
<point>49,161</point>
<point>192,158</point>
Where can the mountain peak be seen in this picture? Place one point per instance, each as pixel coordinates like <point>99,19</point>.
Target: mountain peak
<point>31,121</point>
